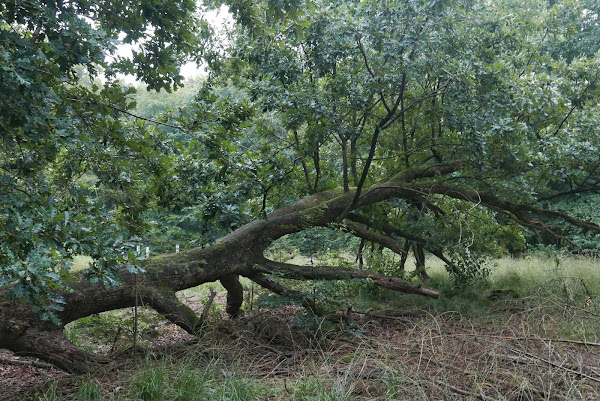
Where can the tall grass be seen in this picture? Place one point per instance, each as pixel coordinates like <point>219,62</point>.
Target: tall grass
<point>170,380</point>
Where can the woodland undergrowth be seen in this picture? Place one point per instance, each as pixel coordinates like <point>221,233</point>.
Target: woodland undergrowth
<point>527,332</point>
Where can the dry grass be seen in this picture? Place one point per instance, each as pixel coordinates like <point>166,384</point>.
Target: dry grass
<point>426,356</point>
<point>531,332</point>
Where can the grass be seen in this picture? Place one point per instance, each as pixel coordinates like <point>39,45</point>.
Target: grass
<point>502,338</point>
<point>80,262</point>
<point>170,381</point>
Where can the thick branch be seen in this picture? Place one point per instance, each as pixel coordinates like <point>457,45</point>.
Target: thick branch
<point>340,273</point>
<point>371,73</point>
<point>372,236</point>
<point>167,304</point>
<point>492,201</point>
<point>580,190</point>
<point>240,253</point>
<point>380,127</point>
<point>235,294</point>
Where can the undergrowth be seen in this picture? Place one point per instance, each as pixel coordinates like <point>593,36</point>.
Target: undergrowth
<point>529,331</point>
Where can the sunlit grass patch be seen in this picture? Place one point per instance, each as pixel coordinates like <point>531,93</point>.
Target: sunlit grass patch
<point>80,262</point>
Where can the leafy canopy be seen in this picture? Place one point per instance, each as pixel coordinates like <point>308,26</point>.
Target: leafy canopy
<point>63,137</point>
<point>353,92</point>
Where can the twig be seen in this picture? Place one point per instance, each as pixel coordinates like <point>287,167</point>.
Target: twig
<point>556,365</point>
<point>276,371</point>
<point>207,305</point>
<point>462,392</point>
<point>41,365</point>
<point>514,358</point>
<point>135,316</point>
<point>109,106</point>
<point>567,306</point>
<point>587,291</point>
<point>403,316</point>
<point>285,386</point>
<point>112,349</point>
<point>559,340</point>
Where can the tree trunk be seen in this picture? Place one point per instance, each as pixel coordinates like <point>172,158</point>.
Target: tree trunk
<point>235,294</point>
<point>419,252</point>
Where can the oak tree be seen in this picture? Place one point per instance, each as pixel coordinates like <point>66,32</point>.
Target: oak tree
<point>427,126</point>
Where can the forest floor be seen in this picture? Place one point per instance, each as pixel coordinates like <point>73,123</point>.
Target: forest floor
<point>489,343</point>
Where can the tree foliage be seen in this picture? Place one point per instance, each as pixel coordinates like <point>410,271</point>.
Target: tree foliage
<point>62,140</point>
<point>356,91</point>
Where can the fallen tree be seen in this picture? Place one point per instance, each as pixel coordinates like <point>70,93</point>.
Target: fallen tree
<point>240,253</point>
<point>418,126</point>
